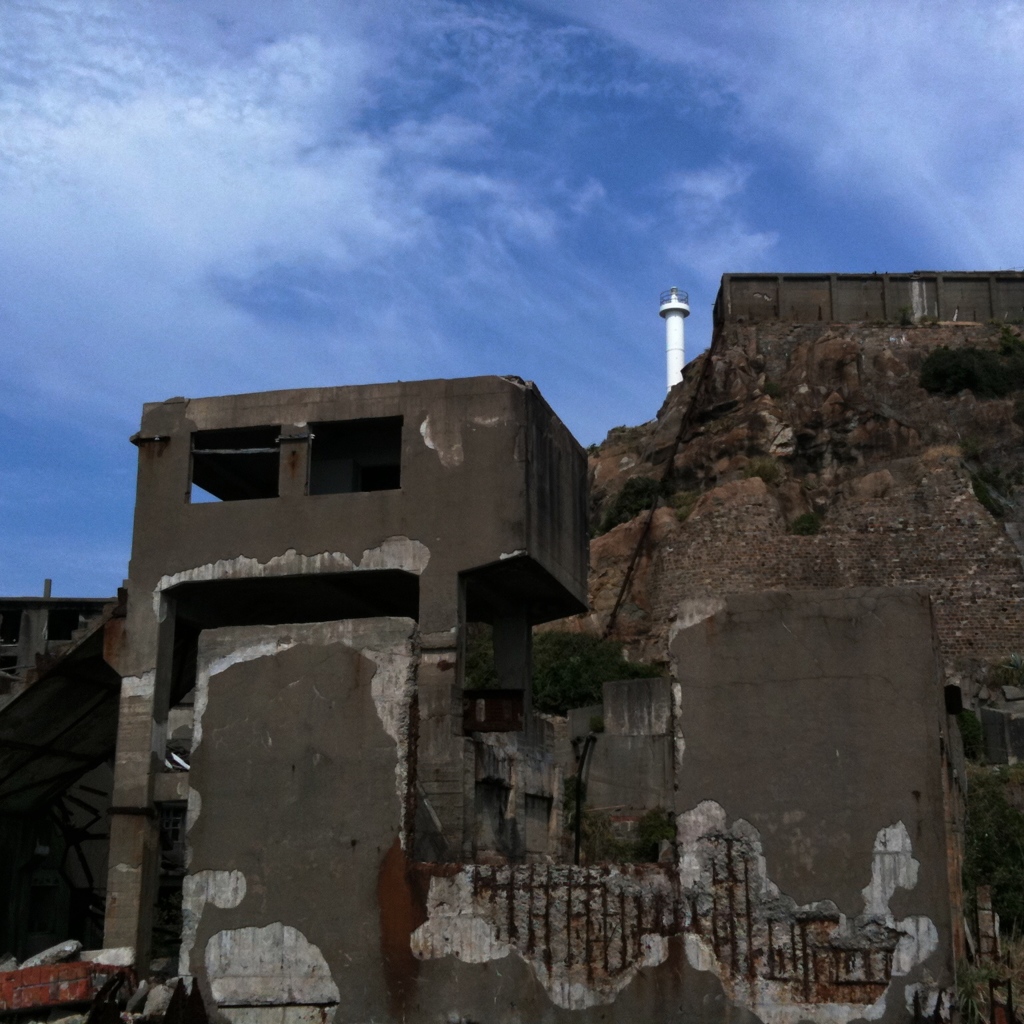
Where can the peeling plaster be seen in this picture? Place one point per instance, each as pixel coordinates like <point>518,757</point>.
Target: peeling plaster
<point>768,965</point>
<point>224,889</point>
<point>691,611</point>
<point>445,438</point>
<point>783,962</point>
<point>542,913</point>
<point>139,686</point>
<point>393,553</point>
<point>271,966</point>
<point>392,687</point>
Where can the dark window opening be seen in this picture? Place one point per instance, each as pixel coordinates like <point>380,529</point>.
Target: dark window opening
<point>10,627</point>
<point>235,464</point>
<point>62,622</point>
<point>356,455</point>
<point>172,839</point>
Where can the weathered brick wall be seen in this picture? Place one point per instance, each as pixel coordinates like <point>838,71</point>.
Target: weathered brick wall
<point>935,535</point>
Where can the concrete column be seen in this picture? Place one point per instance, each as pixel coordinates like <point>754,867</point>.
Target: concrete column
<point>294,472</point>
<point>134,827</point>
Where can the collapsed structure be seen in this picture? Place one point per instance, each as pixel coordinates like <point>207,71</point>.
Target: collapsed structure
<point>311,808</point>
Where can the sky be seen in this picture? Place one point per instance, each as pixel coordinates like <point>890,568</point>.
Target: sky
<point>202,197</point>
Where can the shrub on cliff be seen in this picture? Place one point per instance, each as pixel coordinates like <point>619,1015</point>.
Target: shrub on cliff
<point>948,371</point>
<point>637,495</point>
<point>806,525</point>
<point>767,468</point>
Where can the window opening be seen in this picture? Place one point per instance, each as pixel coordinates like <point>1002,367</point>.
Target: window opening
<point>62,622</point>
<point>10,626</point>
<point>235,464</point>
<point>356,455</point>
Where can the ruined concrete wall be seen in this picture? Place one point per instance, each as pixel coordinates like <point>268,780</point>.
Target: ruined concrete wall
<point>811,801</point>
<point>808,879</point>
<point>465,501</point>
<point>806,298</point>
<point>298,797</point>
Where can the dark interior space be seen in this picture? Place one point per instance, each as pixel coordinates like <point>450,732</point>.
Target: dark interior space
<point>514,586</point>
<point>236,464</point>
<point>10,626</point>
<point>356,455</point>
<point>62,622</point>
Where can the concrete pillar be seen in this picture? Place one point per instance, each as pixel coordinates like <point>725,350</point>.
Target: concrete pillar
<point>134,860</point>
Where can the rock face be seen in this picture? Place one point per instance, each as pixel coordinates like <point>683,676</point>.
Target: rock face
<point>814,459</point>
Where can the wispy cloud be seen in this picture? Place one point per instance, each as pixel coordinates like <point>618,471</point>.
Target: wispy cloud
<point>910,105</point>
<point>710,228</point>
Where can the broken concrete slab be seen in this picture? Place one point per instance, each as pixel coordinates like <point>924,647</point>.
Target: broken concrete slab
<point>63,951</point>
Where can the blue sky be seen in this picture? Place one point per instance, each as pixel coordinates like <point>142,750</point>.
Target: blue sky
<point>207,196</point>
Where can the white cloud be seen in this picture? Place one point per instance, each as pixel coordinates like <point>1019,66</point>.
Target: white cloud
<point>911,104</point>
<point>710,230</point>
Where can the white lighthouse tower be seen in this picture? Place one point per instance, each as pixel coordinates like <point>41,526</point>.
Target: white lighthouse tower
<point>675,308</point>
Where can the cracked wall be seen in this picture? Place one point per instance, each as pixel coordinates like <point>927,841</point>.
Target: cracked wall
<point>808,879</point>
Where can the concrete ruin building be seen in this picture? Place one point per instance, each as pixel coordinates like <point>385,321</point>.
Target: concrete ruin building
<point>310,807</point>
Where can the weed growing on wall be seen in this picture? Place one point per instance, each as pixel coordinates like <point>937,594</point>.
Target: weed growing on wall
<point>806,525</point>
<point>684,503</point>
<point>971,734</point>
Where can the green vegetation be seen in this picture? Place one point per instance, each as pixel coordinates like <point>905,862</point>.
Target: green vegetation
<point>480,673</point>
<point>773,389</point>
<point>906,316</point>
<point>1008,672</point>
<point>989,374</point>
<point>569,668</point>
<point>599,843</point>
<point>971,448</point>
<point>764,466</point>
<point>638,494</point>
<point>971,734</point>
<point>994,841</point>
<point>651,830</point>
<point>982,485</point>
<point>806,525</point>
<point>972,989</point>
<point>684,503</point>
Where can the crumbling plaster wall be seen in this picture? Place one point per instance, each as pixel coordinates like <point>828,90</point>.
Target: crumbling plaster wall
<point>810,879</point>
<point>299,791</point>
<point>467,446</point>
<point>812,738</point>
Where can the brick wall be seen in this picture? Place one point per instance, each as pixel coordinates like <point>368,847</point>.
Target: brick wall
<point>52,985</point>
<point>935,535</point>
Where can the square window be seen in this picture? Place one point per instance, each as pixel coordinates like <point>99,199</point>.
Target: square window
<point>235,464</point>
<point>356,455</point>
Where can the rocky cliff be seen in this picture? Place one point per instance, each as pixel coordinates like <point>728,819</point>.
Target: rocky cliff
<point>796,456</point>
